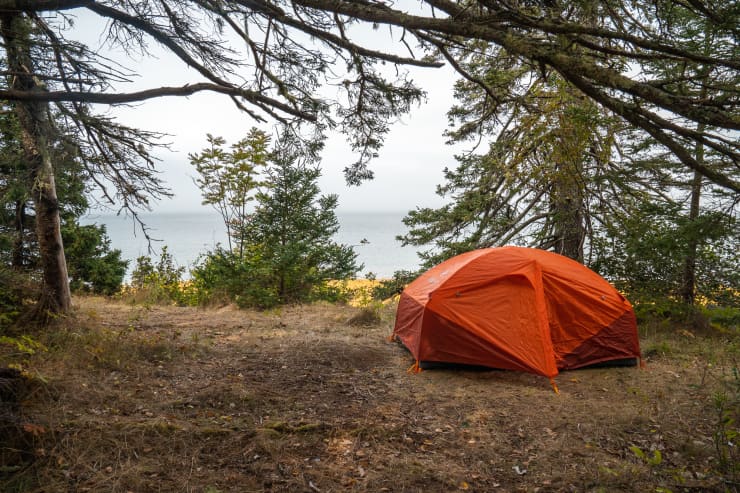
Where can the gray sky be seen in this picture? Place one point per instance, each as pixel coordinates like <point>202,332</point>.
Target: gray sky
<point>406,173</point>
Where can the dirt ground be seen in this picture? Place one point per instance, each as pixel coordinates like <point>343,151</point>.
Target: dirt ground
<point>144,399</point>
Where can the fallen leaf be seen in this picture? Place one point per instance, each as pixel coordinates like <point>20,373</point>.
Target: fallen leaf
<point>33,429</point>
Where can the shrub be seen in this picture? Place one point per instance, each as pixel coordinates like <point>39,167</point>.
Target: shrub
<point>92,265</point>
<point>221,275</point>
<point>160,283</point>
<point>395,285</point>
<point>16,288</point>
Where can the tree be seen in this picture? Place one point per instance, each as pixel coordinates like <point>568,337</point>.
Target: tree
<point>36,134</point>
<point>292,49</point>
<point>546,175</point>
<point>703,214</point>
<point>536,183</point>
<point>41,127</point>
<point>228,179</point>
<point>701,80</point>
<point>92,265</point>
<point>292,227</point>
<point>279,38</point>
<point>644,253</point>
<point>288,248</point>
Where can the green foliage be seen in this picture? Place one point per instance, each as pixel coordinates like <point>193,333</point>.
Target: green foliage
<point>24,344</point>
<point>161,282</point>
<point>286,252</point>
<point>15,288</point>
<point>92,265</point>
<point>228,179</point>
<point>221,276</point>
<point>722,318</point>
<point>727,429</point>
<point>331,292</point>
<point>652,460</point>
<point>644,254</point>
<point>390,287</point>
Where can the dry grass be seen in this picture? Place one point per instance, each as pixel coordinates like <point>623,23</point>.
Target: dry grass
<point>193,400</point>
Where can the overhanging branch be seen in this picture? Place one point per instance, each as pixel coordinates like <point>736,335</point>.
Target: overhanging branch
<point>132,97</point>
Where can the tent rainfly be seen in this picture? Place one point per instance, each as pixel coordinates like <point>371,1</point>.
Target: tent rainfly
<point>515,308</point>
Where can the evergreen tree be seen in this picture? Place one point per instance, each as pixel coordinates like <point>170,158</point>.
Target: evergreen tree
<point>288,249</point>
<point>92,265</point>
<point>292,227</point>
<point>547,174</point>
<point>707,210</point>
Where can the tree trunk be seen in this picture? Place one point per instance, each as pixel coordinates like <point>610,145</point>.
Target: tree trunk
<point>567,202</point>
<point>35,135</point>
<point>20,233</point>
<point>567,192</point>
<point>688,284</point>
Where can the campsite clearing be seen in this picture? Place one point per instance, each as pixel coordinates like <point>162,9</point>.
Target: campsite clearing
<point>132,398</point>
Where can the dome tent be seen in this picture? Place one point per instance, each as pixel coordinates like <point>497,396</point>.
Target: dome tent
<point>515,308</point>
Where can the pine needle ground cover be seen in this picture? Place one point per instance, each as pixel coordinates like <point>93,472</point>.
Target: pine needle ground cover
<point>162,398</point>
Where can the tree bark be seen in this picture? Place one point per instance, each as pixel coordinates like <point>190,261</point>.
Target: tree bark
<point>688,287</point>
<point>567,194</point>
<point>20,233</point>
<point>35,136</point>
<point>567,202</point>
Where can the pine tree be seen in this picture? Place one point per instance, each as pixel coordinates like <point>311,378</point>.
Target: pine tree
<point>545,176</point>
<point>92,265</point>
<point>291,231</point>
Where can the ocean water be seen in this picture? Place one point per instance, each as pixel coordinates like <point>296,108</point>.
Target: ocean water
<point>188,235</point>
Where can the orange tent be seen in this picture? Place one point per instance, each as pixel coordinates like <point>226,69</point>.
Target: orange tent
<point>517,309</point>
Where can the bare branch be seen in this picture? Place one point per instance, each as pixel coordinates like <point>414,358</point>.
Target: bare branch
<point>124,98</point>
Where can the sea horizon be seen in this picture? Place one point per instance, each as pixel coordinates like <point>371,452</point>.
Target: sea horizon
<point>190,234</point>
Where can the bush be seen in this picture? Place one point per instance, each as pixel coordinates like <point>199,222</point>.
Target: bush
<point>221,275</point>
<point>332,292</point>
<point>395,285</point>
<point>92,265</point>
<point>15,289</point>
<point>160,283</point>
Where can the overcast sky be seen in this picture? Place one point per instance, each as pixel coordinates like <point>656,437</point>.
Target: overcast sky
<point>406,173</point>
